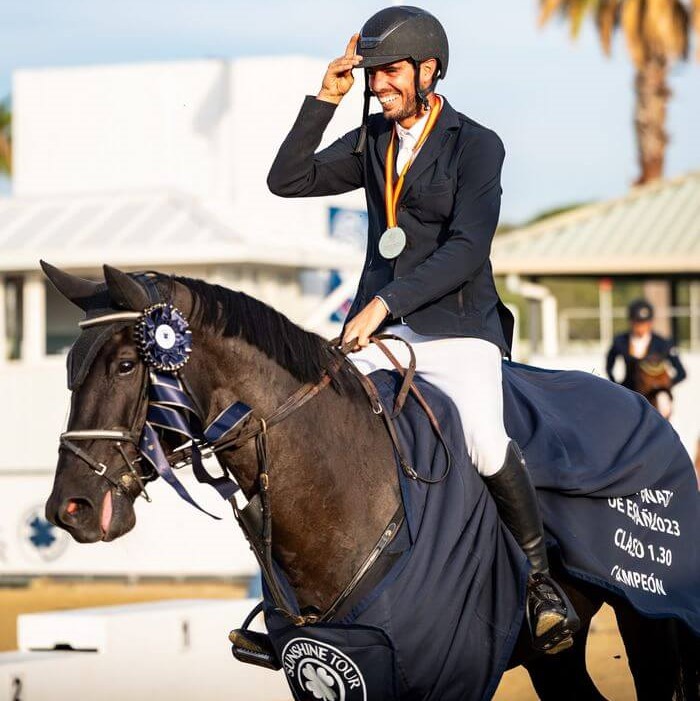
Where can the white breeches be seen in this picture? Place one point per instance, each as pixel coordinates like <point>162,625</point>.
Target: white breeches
<point>468,370</point>
<point>664,404</point>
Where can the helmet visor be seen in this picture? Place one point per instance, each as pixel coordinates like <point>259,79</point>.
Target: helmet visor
<point>376,61</point>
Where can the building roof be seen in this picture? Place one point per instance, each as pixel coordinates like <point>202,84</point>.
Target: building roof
<point>147,230</point>
<point>655,229</point>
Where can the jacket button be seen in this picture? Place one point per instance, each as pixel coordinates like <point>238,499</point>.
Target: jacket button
<point>402,208</point>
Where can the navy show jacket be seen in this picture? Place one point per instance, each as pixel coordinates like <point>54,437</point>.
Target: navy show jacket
<point>442,282</point>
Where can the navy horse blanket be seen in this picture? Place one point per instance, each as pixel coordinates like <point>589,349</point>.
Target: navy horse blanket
<point>620,505</point>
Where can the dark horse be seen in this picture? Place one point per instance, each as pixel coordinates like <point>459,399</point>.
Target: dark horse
<point>326,516</point>
<point>651,378</point>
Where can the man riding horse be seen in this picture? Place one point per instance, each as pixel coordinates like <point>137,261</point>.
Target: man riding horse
<point>647,357</point>
<point>432,182</point>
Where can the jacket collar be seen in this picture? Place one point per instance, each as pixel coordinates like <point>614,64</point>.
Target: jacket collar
<point>447,121</point>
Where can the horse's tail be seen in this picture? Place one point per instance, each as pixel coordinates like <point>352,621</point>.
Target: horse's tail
<point>688,683</point>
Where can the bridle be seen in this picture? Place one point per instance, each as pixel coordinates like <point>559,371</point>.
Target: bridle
<point>256,428</point>
<point>120,437</point>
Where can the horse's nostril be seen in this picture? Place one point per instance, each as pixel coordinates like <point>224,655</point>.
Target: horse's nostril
<point>75,511</point>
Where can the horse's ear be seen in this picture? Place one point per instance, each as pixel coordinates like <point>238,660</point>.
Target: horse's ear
<point>76,289</point>
<point>125,292</point>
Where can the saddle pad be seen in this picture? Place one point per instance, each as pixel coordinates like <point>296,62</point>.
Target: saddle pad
<point>620,504</point>
<point>617,489</point>
<point>443,622</point>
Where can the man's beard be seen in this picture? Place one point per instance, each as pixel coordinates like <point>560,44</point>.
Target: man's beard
<point>410,109</point>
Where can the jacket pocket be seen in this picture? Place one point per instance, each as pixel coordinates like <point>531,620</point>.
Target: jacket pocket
<point>435,202</point>
<point>437,187</point>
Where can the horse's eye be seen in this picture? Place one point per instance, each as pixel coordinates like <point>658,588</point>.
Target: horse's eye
<point>126,366</point>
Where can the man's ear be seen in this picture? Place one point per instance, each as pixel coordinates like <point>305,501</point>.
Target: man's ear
<point>428,69</point>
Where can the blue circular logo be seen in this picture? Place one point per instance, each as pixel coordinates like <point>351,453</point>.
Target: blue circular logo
<point>40,539</point>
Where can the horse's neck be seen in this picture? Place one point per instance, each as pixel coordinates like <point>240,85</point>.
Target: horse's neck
<point>333,484</point>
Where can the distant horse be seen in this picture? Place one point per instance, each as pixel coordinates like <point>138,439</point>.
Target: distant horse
<point>651,379</point>
<point>332,487</point>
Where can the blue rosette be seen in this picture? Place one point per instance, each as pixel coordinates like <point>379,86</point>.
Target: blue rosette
<point>163,336</point>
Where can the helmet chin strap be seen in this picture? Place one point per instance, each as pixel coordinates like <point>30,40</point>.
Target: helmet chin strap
<point>422,95</point>
<point>362,136</point>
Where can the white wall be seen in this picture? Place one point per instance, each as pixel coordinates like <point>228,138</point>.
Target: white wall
<point>35,404</point>
<point>170,538</point>
<point>210,128</point>
<point>176,650</point>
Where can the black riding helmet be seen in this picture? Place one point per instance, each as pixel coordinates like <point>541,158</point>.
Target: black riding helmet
<point>396,34</point>
<point>640,310</point>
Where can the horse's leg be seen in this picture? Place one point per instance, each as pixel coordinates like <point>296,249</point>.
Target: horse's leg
<point>652,650</point>
<point>564,675</point>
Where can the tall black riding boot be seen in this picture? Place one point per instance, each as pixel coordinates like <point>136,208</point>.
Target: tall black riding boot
<point>550,615</point>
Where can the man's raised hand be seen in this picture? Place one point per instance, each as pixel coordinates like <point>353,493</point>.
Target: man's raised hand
<point>339,79</point>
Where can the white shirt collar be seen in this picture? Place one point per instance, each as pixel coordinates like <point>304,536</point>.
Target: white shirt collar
<point>413,133</point>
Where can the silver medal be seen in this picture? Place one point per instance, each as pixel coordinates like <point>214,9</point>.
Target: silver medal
<point>392,242</point>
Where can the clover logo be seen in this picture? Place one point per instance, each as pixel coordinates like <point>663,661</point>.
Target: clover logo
<point>321,672</point>
<point>319,683</point>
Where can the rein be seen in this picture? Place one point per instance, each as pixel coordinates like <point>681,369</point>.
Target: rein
<point>171,405</point>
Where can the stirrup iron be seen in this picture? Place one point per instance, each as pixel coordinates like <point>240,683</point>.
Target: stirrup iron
<point>252,647</point>
<point>552,630</point>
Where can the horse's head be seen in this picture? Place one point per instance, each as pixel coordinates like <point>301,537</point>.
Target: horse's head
<point>99,473</point>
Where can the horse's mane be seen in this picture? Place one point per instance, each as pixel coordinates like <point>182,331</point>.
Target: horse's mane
<point>303,354</point>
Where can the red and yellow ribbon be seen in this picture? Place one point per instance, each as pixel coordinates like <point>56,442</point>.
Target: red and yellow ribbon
<point>392,191</point>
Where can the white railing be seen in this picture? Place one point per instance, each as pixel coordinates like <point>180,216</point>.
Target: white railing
<point>602,336</point>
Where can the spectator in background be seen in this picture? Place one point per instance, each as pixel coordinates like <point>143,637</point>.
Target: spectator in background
<point>648,358</point>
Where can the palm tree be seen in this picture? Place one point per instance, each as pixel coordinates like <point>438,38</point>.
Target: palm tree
<point>657,33</point>
<point>5,138</point>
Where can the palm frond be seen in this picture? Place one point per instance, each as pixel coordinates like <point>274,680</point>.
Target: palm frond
<point>681,30</point>
<point>631,20</point>
<point>549,7</point>
<point>5,138</point>
<point>606,18</point>
<point>695,11</point>
<point>577,13</point>
<point>658,29</point>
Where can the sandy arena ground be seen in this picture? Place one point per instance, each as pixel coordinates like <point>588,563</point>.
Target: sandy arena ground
<point>606,655</point>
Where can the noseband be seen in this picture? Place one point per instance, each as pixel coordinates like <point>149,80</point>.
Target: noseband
<point>119,437</point>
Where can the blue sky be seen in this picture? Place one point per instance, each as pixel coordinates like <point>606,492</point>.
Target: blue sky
<point>563,110</point>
